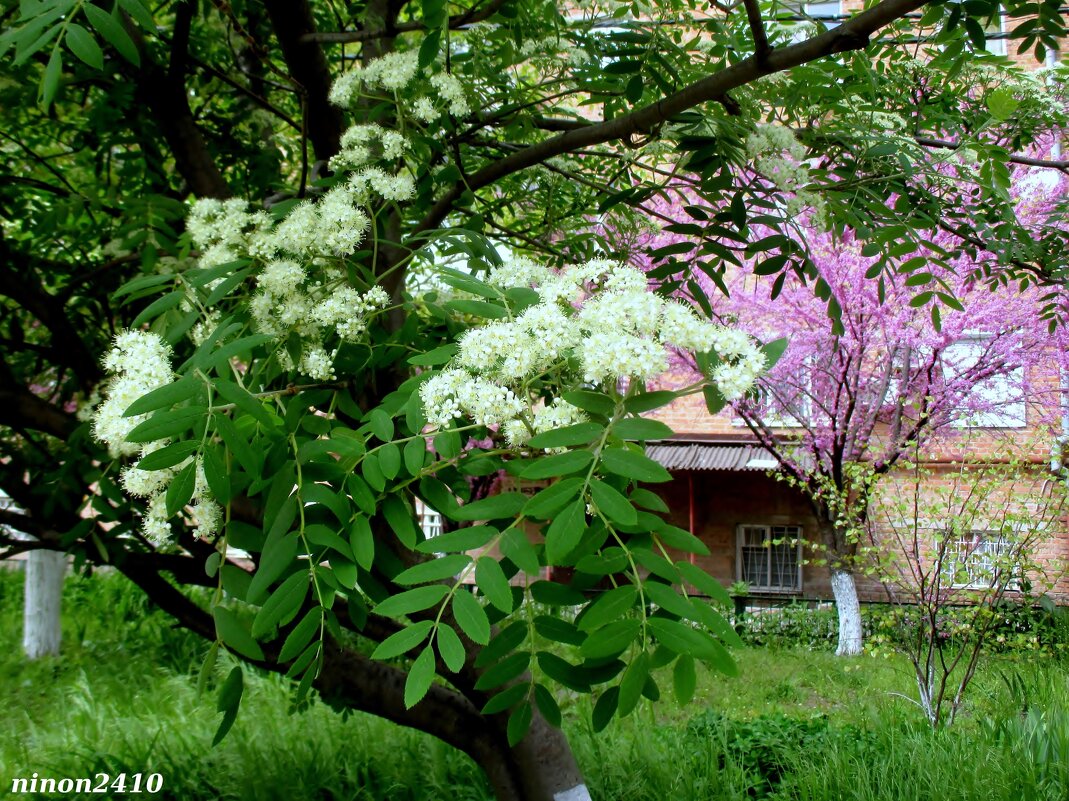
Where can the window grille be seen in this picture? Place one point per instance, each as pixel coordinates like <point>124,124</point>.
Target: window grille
<point>976,560</point>
<point>770,557</point>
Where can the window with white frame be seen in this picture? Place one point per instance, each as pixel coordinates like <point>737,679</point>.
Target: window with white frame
<point>430,521</point>
<point>770,557</point>
<point>999,398</point>
<point>977,560</point>
<point>830,13</point>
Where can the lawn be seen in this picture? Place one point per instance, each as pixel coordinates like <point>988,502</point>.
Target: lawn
<point>795,724</point>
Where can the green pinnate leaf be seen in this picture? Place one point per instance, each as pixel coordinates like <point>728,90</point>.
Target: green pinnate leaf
<point>493,583</point>
<point>109,27</point>
<point>403,641</point>
<point>83,45</point>
<point>420,677</point>
<point>471,617</point>
<point>232,631</point>
<point>409,601</point>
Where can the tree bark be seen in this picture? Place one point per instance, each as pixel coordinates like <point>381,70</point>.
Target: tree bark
<point>44,594</point>
<point>540,768</point>
<point>846,602</point>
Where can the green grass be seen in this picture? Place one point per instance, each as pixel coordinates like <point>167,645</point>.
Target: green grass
<point>795,725</point>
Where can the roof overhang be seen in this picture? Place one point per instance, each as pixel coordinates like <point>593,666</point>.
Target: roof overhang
<point>683,455</point>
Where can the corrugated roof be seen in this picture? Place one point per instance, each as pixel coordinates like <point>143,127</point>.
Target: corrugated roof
<point>708,456</point>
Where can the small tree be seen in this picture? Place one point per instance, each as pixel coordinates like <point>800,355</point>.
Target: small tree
<point>855,394</point>
<point>952,548</point>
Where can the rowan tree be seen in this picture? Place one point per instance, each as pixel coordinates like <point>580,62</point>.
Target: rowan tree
<point>254,300</point>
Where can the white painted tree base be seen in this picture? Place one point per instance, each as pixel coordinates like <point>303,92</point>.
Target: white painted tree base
<point>44,593</point>
<point>846,603</point>
<point>577,793</point>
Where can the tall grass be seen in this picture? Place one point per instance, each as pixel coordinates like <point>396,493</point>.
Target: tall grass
<point>799,725</point>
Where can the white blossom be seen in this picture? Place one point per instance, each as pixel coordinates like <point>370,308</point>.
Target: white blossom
<point>451,90</point>
<point>154,524</point>
<point>595,324</point>
<point>139,361</point>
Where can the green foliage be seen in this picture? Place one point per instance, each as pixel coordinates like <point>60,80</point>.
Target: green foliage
<point>310,453</point>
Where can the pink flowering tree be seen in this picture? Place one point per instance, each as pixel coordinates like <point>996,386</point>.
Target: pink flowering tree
<point>869,371</point>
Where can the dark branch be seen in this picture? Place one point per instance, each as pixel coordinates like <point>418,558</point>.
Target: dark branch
<point>851,35</point>
<point>757,27</point>
<point>1013,158</point>
<point>292,21</point>
<point>20,283</point>
<point>20,408</point>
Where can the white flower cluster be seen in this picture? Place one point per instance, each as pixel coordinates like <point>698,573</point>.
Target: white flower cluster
<point>594,324</point>
<point>295,292</point>
<point>288,302</point>
<point>221,229</point>
<point>393,72</point>
<point>778,155</point>
<point>558,414</point>
<point>139,362</point>
<point>333,226</point>
<point>358,146</point>
<point>396,187</point>
<point>780,158</point>
<point>457,393</point>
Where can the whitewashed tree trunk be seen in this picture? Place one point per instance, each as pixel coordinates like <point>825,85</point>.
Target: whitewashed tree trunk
<point>845,592</point>
<point>44,593</point>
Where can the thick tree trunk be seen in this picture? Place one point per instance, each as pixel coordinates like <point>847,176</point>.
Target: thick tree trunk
<point>845,592</point>
<point>547,769</point>
<point>540,768</point>
<point>44,593</point>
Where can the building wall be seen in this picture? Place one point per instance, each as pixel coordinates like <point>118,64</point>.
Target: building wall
<point>723,500</point>
<point>712,504</point>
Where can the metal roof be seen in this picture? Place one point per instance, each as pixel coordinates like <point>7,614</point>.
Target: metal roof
<point>708,456</point>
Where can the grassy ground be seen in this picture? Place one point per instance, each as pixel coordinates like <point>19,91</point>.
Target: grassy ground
<point>795,725</point>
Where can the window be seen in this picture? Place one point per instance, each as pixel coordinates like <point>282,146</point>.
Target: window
<point>977,560</point>
<point>995,34</point>
<point>770,557</point>
<point>792,16</point>
<point>830,13</point>
<point>429,520</point>
<point>996,401</point>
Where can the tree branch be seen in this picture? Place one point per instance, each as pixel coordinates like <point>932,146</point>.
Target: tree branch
<point>851,35</point>
<point>20,408</point>
<point>20,283</point>
<point>1013,158</point>
<point>292,20</point>
<point>757,28</point>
